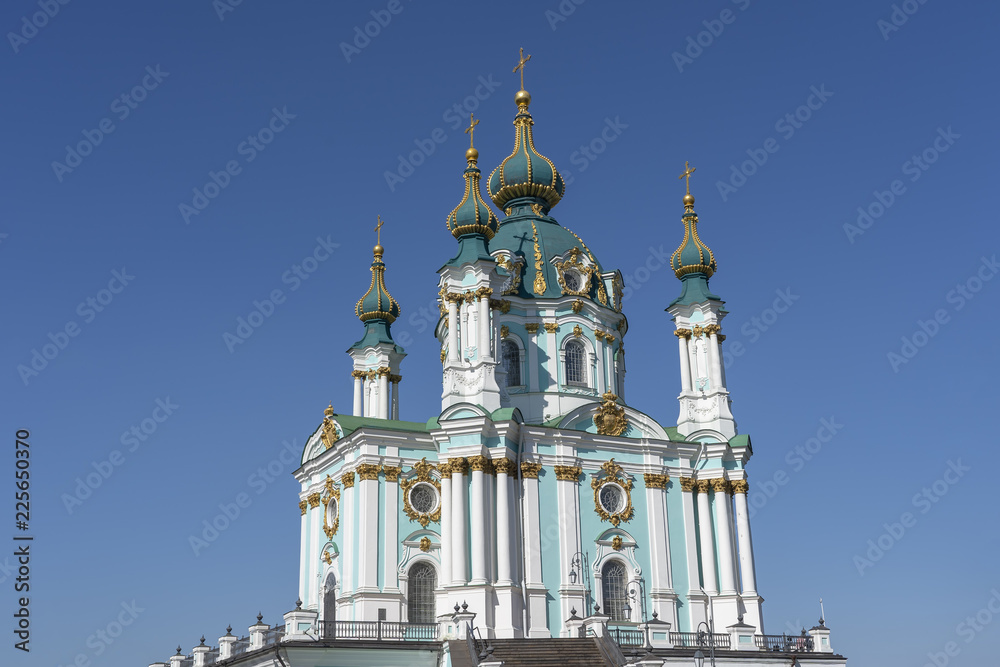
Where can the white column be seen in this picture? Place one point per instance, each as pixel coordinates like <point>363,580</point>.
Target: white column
<point>446,546</point>
<point>390,574</point>
<point>682,344</point>
<point>347,524</point>
<point>656,501</point>
<point>366,392</point>
<point>714,363</point>
<point>696,607</point>
<point>477,519</point>
<point>359,400</point>
<point>484,327</point>
<point>459,557</point>
<point>368,521</point>
<point>305,583</point>
<point>532,529</point>
<point>748,574</point>
<point>532,369</point>
<point>453,354</point>
<point>705,537</point>
<point>572,596</point>
<point>727,571</point>
<point>601,384</point>
<point>383,393</point>
<point>464,333</point>
<point>503,522</point>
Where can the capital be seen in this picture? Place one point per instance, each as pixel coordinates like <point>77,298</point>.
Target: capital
<point>480,463</point>
<point>368,471</point>
<point>741,486</point>
<point>687,484</point>
<point>530,470</point>
<point>459,465</point>
<point>682,333</point>
<point>505,466</point>
<point>654,481</point>
<point>347,480</point>
<point>313,500</point>
<point>720,484</point>
<point>302,507</point>
<point>551,327</point>
<point>383,371</point>
<point>391,473</point>
<point>531,327</point>
<point>703,485</point>
<point>484,292</point>
<point>711,329</point>
<point>359,375</point>
<point>568,473</point>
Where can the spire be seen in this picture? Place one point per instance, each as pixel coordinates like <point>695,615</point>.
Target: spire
<point>472,215</point>
<point>693,262</point>
<point>526,173</point>
<point>377,303</point>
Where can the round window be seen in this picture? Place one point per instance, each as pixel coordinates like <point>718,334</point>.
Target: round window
<point>612,498</point>
<point>572,280</point>
<point>331,511</point>
<point>423,498</point>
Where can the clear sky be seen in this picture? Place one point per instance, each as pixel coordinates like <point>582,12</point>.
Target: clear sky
<point>794,114</point>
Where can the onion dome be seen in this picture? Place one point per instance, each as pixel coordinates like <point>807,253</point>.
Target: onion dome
<point>377,303</point>
<point>693,256</point>
<point>526,172</point>
<point>472,215</point>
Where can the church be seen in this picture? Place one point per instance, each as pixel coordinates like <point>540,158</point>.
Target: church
<point>538,518</point>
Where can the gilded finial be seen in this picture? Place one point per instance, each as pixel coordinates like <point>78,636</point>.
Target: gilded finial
<point>472,155</point>
<point>688,170</point>
<point>378,243</point>
<point>329,410</point>
<point>523,97</point>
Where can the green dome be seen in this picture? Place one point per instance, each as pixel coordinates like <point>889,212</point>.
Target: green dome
<point>472,215</point>
<point>693,256</point>
<point>377,303</point>
<point>526,172</point>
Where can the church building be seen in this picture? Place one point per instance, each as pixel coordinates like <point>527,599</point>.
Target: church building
<point>538,504</point>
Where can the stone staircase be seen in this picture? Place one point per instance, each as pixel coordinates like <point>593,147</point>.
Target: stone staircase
<point>536,653</point>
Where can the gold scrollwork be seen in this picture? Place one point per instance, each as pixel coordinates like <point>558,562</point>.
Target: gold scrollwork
<point>327,558</point>
<point>654,481</point>
<point>539,285</point>
<point>613,474</point>
<point>423,476</point>
<point>329,434</point>
<point>610,418</point>
<point>574,264</point>
<point>513,267</point>
<point>332,494</point>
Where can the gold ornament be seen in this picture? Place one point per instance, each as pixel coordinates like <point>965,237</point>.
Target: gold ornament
<point>687,484</point>
<point>506,466</point>
<point>423,474</point>
<point>610,418</point>
<point>568,473</point>
<point>574,264</point>
<point>577,331</point>
<point>531,327</point>
<point>425,544</point>
<point>332,494</point>
<point>654,481</point>
<point>347,480</point>
<point>551,327</point>
<point>302,507</point>
<point>329,434</point>
<point>613,474</point>
<point>577,306</point>
<point>720,485</point>
<point>313,499</point>
<point>616,543</point>
<point>741,486</point>
<point>530,470</point>
<point>391,473</point>
<point>368,471</point>
<point>504,331</point>
<point>539,285</point>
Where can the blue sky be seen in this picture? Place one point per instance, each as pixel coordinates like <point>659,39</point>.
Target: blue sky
<point>834,110</point>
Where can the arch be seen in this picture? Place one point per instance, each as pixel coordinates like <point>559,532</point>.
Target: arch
<point>420,599</point>
<point>510,355</point>
<point>329,603</point>
<point>614,580</point>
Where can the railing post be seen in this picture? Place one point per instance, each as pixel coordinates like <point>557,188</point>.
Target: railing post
<point>257,633</point>
<point>821,638</point>
<point>378,630</point>
<point>299,622</point>
<point>226,644</point>
<point>741,637</point>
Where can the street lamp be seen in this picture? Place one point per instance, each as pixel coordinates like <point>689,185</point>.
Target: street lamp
<point>703,637</point>
<point>635,591</point>
<point>579,568</point>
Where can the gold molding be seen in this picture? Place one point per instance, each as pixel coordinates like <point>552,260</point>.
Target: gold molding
<point>610,418</point>
<point>423,470</point>
<point>574,264</point>
<point>687,484</point>
<point>568,473</point>
<point>654,481</point>
<point>513,267</point>
<point>313,499</point>
<point>741,486</point>
<point>530,470</point>
<point>613,473</point>
<point>539,285</point>
<point>332,492</point>
<point>368,471</point>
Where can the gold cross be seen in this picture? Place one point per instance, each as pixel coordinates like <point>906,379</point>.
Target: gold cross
<point>472,128</point>
<point>520,66</point>
<point>378,229</point>
<point>688,170</point>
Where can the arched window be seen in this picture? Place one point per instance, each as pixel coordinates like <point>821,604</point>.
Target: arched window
<point>613,583</point>
<point>420,593</point>
<point>512,363</point>
<point>330,606</point>
<point>576,369</point>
